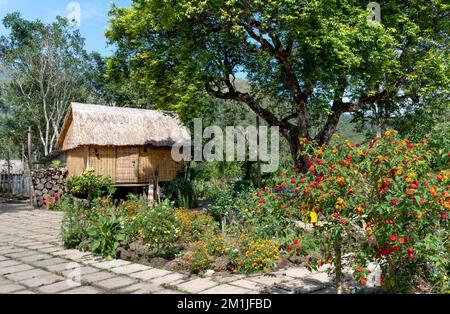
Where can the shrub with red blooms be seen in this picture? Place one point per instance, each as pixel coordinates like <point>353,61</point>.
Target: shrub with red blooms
<point>382,202</point>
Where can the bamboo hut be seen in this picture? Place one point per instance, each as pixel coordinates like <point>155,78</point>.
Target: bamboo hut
<point>129,145</point>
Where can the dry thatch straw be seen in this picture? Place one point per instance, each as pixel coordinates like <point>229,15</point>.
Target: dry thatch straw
<point>117,126</point>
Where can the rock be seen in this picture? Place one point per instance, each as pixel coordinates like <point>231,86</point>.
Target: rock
<point>174,265</point>
<point>283,262</point>
<point>222,264</point>
<point>297,260</point>
<point>158,262</point>
<point>209,272</point>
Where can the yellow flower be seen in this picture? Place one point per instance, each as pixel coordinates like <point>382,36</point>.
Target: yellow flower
<point>388,133</point>
<point>313,216</point>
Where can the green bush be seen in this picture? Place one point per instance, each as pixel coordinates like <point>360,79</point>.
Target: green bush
<point>89,185</point>
<point>159,229</point>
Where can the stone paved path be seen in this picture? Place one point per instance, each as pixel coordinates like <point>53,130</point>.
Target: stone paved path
<point>33,260</point>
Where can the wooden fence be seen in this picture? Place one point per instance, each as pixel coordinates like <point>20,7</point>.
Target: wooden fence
<point>15,184</point>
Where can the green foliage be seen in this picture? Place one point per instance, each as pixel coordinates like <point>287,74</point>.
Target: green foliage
<point>180,191</point>
<point>89,185</point>
<point>159,228</point>
<point>439,144</point>
<point>222,204</point>
<point>57,164</point>
<point>105,234</point>
<point>74,223</point>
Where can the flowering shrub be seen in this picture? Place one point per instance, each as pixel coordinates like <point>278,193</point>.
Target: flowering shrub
<point>89,185</point>
<point>158,227</point>
<point>198,258</point>
<point>254,256</point>
<point>380,201</point>
<point>195,224</point>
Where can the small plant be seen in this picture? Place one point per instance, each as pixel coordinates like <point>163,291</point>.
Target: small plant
<point>105,235</point>
<point>73,227</point>
<point>198,258</point>
<point>57,164</point>
<point>256,256</point>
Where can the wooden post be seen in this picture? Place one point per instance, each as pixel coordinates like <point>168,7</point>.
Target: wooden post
<point>30,168</point>
<point>151,189</point>
<point>258,161</point>
<point>158,195</point>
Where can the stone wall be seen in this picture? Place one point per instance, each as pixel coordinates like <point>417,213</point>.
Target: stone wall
<point>48,183</point>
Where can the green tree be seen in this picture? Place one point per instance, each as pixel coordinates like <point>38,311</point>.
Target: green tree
<point>44,66</point>
<point>314,60</point>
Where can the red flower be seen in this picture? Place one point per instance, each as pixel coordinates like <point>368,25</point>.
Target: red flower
<point>288,212</point>
<point>410,192</point>
<point>393,238</point>
<point>358,145</point>
<point>444,216</point>
<point>261,202</point>
<point>409,250</point>
<point>363,281</point>
<point>394,202</point>
<point>401,240</point>
<point>295,241</point>
<point>343,221</point>
<point>336,215</point>
<point>283,184</point>
<point>298,246</point>
<point>387,183</point>
<point>341,183</point>
<point>290,247</point>
<point>396,248</point>
<point>293,180</point>
<point>359,269</point>
<point>296,170</point>
<point>383,190</point>
<point>259,194</point>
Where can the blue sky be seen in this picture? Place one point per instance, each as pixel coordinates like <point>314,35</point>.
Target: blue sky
<point>93,17</point>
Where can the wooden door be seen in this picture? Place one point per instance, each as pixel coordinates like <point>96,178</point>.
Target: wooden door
<point>127,165</point>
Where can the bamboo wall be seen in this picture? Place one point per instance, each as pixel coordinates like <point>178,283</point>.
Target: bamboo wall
<point>125,165</point>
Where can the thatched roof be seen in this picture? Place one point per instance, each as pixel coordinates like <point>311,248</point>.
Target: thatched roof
<point>118,126</point>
